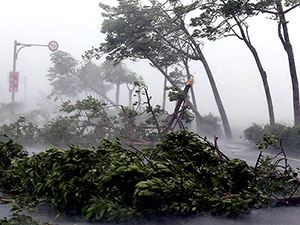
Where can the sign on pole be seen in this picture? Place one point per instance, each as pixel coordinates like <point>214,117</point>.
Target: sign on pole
<point>13,81</point>
<point>53,46</point>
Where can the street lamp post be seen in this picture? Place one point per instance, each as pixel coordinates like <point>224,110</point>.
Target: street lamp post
<point>53,46</point>
<point>14,71</point>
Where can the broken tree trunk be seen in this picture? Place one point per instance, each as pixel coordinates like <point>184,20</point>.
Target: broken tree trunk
<point>179,103</point>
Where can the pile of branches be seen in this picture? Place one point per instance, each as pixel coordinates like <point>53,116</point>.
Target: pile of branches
<point>183,175</point>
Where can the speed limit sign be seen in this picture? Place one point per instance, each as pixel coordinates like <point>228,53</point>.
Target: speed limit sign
<point>53,46</point>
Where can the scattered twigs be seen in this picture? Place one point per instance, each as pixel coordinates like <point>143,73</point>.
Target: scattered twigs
<point>280,175</point>
<point>230,196</point>
<point>179,121</point>
<point>283,152</point>
<point>139,158</point>
<point>257,161</point>
<point>153,114</point>
<point>271,140</point>
<point>129,121</point>
<point>216,147</point>
<point>292,194</point>
<point>4,201</point>
<point>145,157</point>
<point>51,221</point>
<point>178,105</point>
<point>275,197</point>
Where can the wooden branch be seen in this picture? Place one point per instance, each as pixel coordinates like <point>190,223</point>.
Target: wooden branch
<point>94,89</point>
<point>266,11</point>
<point>146,158</point>
<point>281,36</point>
<point>51,221</point>
<point>257,161</point>
<point>231,196</point>
<point>220,153</point>
<point>295,6</point>
<point>153,115</point>
<point>284,154</point>
<point>179,121</point>
<point>178,104</point>
<point>288,202</point>
<point>130,123</point>
<point>176,48</point>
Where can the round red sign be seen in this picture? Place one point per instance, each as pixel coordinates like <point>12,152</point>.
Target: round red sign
<point>53,46</point>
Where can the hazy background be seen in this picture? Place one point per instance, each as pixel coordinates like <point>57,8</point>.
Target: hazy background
<point>75,25</point>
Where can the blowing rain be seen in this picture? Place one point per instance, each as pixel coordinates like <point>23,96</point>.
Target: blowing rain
<point>149,111</point>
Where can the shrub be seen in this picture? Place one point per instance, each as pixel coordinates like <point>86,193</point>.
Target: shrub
<point>254,133</point>
<point>291,138</point>
<point>22,131</point>
<point>277,129</point>
<point>210,125</point>
<point>9,151</point>
<point>61,130</point>
<point>19,219</point>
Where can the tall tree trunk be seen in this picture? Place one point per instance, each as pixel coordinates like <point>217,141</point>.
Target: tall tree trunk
<point>211,79</point>
<point>130,98</point>
<point>178,105</point>
<point>165,92</point>
<point>216,94</point>
<point>245,37</point>
<point>195,111</point>
<point>130,92</point>
<point>285,40</point>
<point>95,90</point>
<point>189,76</point>
<point>117,93</point>
<point>264,78</point>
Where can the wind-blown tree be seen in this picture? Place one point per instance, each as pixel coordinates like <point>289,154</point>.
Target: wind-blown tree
<point>92,78</point>
<point>69,78</point>
<point>117,74</point>
<point>174,31</point>
<point>61,74</point>
<point>133,31</point>
<point>10,111</point>
<point>180,78</point>
<point>180,38</point>
<point>185,61</point>
<point>278,10</point>
<point>132,87</point>
<point>165,92</point>
<point>226,18</point>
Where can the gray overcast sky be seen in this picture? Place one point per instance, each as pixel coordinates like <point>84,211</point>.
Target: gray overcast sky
<point>75,25</point>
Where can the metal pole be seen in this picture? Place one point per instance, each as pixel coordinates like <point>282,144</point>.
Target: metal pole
<point>53,45</point>
<point>14,70</point>
<point>25,87</point>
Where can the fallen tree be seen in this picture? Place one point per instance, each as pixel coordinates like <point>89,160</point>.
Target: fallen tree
<point>183,175</point>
